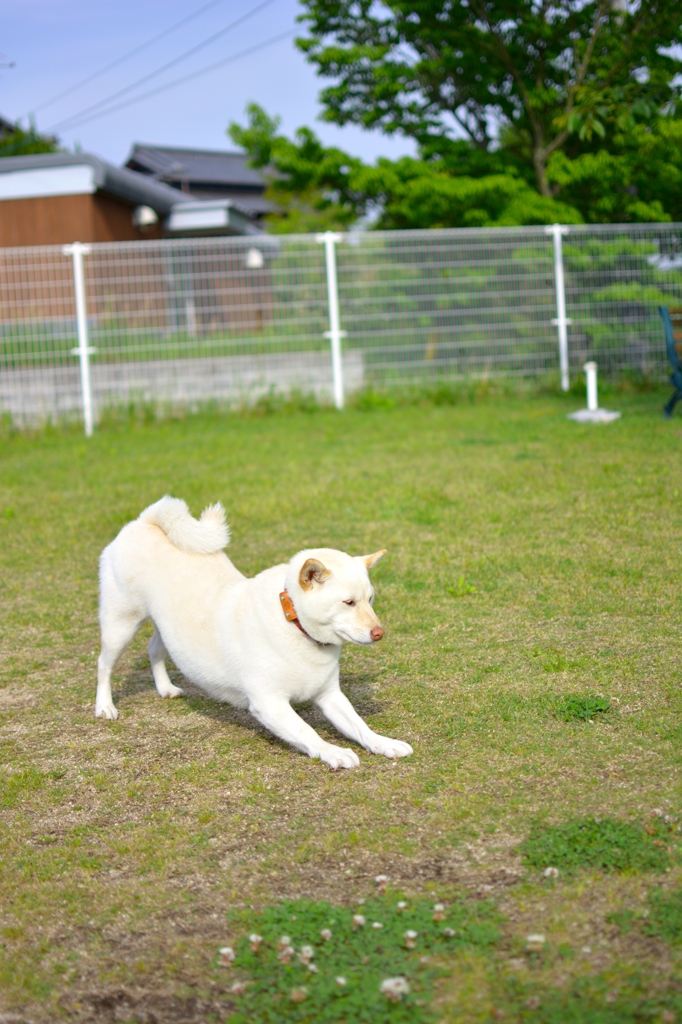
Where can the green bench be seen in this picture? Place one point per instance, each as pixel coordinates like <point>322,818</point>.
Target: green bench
<point>672,325</point>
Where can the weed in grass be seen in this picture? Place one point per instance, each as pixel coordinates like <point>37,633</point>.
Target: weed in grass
<point>369,400</point>
<point>16,785</point>
<point>605,844</point>
<point>662,919</point>
<point>461,589</point>
<point>592,1000</point>
<point>551,658</point>
<point>573,708</point>
<point>311,961</point>
<point>624,919</point>
<point>665,916</point>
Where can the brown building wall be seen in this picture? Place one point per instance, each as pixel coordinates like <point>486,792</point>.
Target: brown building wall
<point>58,220</point>
<point>112,221</point>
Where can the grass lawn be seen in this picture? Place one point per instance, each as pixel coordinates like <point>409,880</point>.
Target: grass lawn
<point>531,596</point>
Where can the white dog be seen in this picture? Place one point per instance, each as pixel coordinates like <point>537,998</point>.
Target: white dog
<point>258,643</point>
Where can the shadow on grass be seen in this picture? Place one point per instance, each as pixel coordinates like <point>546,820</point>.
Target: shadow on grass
<point>357,687</point>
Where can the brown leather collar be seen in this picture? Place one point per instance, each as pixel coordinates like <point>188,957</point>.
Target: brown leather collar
<point>291,616</point>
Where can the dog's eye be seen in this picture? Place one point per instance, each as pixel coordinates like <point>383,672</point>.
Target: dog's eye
<point>351,603</point>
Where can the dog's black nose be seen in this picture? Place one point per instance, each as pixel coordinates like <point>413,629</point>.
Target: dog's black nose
<point>376,633</point>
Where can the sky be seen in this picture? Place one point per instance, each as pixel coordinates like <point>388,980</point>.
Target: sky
<point>57,44</point>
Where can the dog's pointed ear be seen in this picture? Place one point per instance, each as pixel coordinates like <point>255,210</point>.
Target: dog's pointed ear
<point>371,560</point>
<point>312,572</point>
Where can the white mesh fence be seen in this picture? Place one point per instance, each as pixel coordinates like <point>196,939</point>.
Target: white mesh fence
<point>231,319</point>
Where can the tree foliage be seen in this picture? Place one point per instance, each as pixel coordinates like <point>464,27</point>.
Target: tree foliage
<point>23,141</point>
<point>523,113</point>
<point>548,76</point>
<point>316,188</point>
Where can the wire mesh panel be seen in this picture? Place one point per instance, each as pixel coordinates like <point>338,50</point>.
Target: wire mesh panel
<point>232,319</point>
<point>616,278</point>
<point>39,376</point>
<point>213,319</point>
<point>425,305</point>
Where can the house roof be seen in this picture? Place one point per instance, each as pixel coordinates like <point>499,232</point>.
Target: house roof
<point>196,166</point>
<point>55,174</point>
<point>43,174</point>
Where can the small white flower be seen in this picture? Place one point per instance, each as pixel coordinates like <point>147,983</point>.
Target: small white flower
<point>285,955</point>
<point>326,934</point>
<point>227,956</point>
<point>450,932</point>
<point>358,921</point>
<point>283,942</point>
<point>306,954</point>
<point>535,943</point>
<point>551,872</point>
<point>297,995</point>
<point>410,938</point>
<point>382,882</point>
<point>438,912</point>
<point>377,925</point>
<point>239,988</point>
<point>340,981</point>
<point>360,901</point>
<point>401,905</point>
<point>313,968</point>
<point>255,941</point>
<point>394,989</point>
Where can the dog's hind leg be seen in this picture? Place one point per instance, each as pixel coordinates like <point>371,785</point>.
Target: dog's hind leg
<point>118,629</point>
<point>157,657</point>
<point>120,617</point>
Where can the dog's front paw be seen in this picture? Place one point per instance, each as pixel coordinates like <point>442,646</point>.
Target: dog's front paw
<point>106,711</point>
<point>338,757</point>
<point>391,748</point>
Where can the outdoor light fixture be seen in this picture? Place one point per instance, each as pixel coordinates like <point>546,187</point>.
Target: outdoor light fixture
<point>254,259</point>
<point>144,217</point>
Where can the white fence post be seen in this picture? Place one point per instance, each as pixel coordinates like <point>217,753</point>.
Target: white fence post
<point>335,334</point>
<point>77,251</point>
<point>561,320</point>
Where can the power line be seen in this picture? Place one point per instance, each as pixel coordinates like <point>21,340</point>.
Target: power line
<point>187,78</point>
<point>126,56</point>
<point>66,122</point>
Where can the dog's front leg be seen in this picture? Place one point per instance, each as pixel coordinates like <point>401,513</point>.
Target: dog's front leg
<point>280,718</point>
<point>335,706</point>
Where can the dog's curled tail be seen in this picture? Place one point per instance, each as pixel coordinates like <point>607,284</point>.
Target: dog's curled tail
<point>204,536</point>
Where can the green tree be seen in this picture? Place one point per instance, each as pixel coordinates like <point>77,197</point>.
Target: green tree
<point>316,188</point>
<point>22,141</point>
<point>309,184</point>
<point>539,77</point>
<point>638,178</point>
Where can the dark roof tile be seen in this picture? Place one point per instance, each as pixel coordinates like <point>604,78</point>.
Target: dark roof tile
<point>195,166</point>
